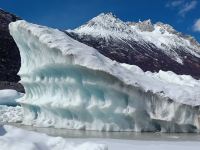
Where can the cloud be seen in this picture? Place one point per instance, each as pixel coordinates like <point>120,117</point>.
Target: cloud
<point>175,3</point>
<point>187,7</point>
<point>196,26</point>
<point>183,6</point>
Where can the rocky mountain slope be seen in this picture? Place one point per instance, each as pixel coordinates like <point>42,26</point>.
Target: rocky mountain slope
<point>152,47</point>
<point>9,54</point>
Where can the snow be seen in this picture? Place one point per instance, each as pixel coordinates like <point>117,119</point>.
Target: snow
<point>71,85</point>
<point>10,111</point>
<point>9,97</point>
<point>165,76</point>
<point>163,36</point>
<point>105,25</point>
<point>11,114</point>
<point>115,144</point>
<point>12,138</point>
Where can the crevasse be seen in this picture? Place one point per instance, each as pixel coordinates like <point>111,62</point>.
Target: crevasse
<point>71,85</point>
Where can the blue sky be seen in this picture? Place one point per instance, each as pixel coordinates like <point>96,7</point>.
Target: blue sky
<point>183,15</point>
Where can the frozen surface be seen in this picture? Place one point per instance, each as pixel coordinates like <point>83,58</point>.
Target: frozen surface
<point>9,97</point>
<point>71,85</point>
<point>145,145</point>
<point>12,138</point>
<point>167,77</point>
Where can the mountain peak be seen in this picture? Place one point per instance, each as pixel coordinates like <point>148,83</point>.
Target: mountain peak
<point>104,22</point>
<point>145,25</point>
<point>166,27</point>
<point>159,36</point>
<point>162,35</point>
<point>108,15</point>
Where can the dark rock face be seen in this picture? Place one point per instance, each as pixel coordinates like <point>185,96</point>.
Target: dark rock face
<point>9,54</point>
<point>148,57</point>
<point>11,85</point>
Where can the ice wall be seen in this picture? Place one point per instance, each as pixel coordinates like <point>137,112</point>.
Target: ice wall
<point>70,85</point>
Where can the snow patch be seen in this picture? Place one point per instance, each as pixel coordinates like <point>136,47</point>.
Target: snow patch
<point>15,139</point>
<point>11,114</point>
<point>9,97</point>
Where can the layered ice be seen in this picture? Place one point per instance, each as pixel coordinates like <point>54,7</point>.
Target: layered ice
<point>71,85</point>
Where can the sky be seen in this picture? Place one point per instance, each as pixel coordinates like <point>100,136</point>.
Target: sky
<point>183,15</point>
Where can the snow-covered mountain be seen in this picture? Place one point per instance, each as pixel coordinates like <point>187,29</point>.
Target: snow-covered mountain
<point>71,85</point>
<point>152,47</point>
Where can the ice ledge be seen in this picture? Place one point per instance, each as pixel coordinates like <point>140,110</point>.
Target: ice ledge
<point>60,48</point>
<point>71,85</point>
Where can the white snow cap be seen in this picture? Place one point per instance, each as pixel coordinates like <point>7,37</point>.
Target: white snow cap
<point>163,36</point>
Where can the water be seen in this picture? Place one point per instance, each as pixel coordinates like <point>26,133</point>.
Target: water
<point>147,136</point>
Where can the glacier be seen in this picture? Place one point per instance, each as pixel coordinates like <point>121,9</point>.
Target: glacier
<point>71,85</point>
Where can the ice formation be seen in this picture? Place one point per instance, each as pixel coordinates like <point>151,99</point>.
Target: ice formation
<point>71,85</point>
<point>9,97</point>
<point>10,114</point>
<point>12,138</point>
<point>10,111</point>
